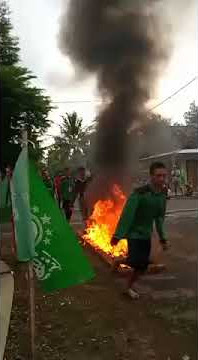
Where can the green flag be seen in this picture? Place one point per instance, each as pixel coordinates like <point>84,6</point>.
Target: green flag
<point>59,260</point>
<point>21,208</point>
<point>42,233</point>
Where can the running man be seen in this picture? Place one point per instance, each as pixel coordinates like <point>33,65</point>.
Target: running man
<point>145,206</point>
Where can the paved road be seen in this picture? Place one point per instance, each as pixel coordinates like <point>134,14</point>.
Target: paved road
<point>175,204</point>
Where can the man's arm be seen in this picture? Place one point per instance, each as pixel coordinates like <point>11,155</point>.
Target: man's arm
<point>159,223</point>
<point>126,219</point>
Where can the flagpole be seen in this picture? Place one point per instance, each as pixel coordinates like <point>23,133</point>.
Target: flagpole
<point>30,283</point>
<point>32,308</point>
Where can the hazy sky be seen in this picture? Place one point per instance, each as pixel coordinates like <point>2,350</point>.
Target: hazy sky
<point>36,22</point>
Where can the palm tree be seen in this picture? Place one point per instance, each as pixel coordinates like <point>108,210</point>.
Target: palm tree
<point>72,132</point>
<point>75,135</point>
<point>72,147</point>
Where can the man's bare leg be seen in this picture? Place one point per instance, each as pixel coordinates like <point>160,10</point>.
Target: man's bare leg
<point>133,276</point>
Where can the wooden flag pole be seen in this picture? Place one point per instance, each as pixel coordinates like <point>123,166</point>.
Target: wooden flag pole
<point>31,284</point>
<point>32,308</point>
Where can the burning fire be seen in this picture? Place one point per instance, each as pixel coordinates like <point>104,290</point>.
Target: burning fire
<point>102,224</point>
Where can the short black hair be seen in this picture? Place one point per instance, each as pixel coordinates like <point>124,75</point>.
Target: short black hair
<point>156,165</point>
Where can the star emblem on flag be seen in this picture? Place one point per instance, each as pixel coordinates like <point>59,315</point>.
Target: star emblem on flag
<point>46,219</point>
<point>48,232</point>
<point>35,209</point>
<point>47,241</point>
<point>41,224</point>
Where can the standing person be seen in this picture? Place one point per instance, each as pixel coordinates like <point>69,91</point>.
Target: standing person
<point>68,193</point>
<point>57,187</point>
<point>47,181</point>
<point>81,182</point>
<point>145,206</point>
<point>175,179</point>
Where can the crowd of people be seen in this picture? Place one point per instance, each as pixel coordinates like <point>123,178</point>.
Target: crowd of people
<point>66,188</point>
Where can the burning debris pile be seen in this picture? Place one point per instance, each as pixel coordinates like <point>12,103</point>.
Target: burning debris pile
<point>124,44</point>
<point>102,224</point>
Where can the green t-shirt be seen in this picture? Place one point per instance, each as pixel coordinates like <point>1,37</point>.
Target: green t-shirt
<point>68,189</point>
<point>143,208</point>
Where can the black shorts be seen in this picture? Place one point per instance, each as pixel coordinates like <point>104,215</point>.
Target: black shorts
<point>139,253</point>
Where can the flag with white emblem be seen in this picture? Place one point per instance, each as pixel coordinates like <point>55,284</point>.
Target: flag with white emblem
<point>19,186</point>
<point>59,260</point>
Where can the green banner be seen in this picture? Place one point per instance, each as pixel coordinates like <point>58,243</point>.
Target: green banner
<point>59,261</point>
<point>21,209</point>
<point>42,233</point>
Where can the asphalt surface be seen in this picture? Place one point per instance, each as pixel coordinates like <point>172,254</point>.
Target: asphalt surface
<point>175,204</point>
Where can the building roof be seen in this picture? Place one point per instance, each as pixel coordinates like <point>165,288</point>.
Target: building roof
<point>176,152</point>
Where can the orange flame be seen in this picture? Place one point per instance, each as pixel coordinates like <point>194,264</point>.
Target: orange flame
<point>102,224</point>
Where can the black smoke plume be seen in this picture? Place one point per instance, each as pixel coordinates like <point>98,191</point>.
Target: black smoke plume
<point>124,44</point>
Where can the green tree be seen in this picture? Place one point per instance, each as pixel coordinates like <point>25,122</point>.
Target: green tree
<point>191,119</point>
<point>72,147</point>
<point>57,158</point>
<point>191,116</point>
<point>187,134</point>
<point>9,45</point>
<point>23,105</point>
<point>73,133</point>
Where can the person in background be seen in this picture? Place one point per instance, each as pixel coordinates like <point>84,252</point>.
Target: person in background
<point>189,189</point>
<point>175,179</point>
<point>81,183</point>
<point>68,193</point>
<point>167,190</point>
<point>57,187</point>
<point>182,181</point>
<point>145,206</point>
<point>47,181</point>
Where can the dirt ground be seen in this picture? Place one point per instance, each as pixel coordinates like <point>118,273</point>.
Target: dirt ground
<point>97,322</point>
